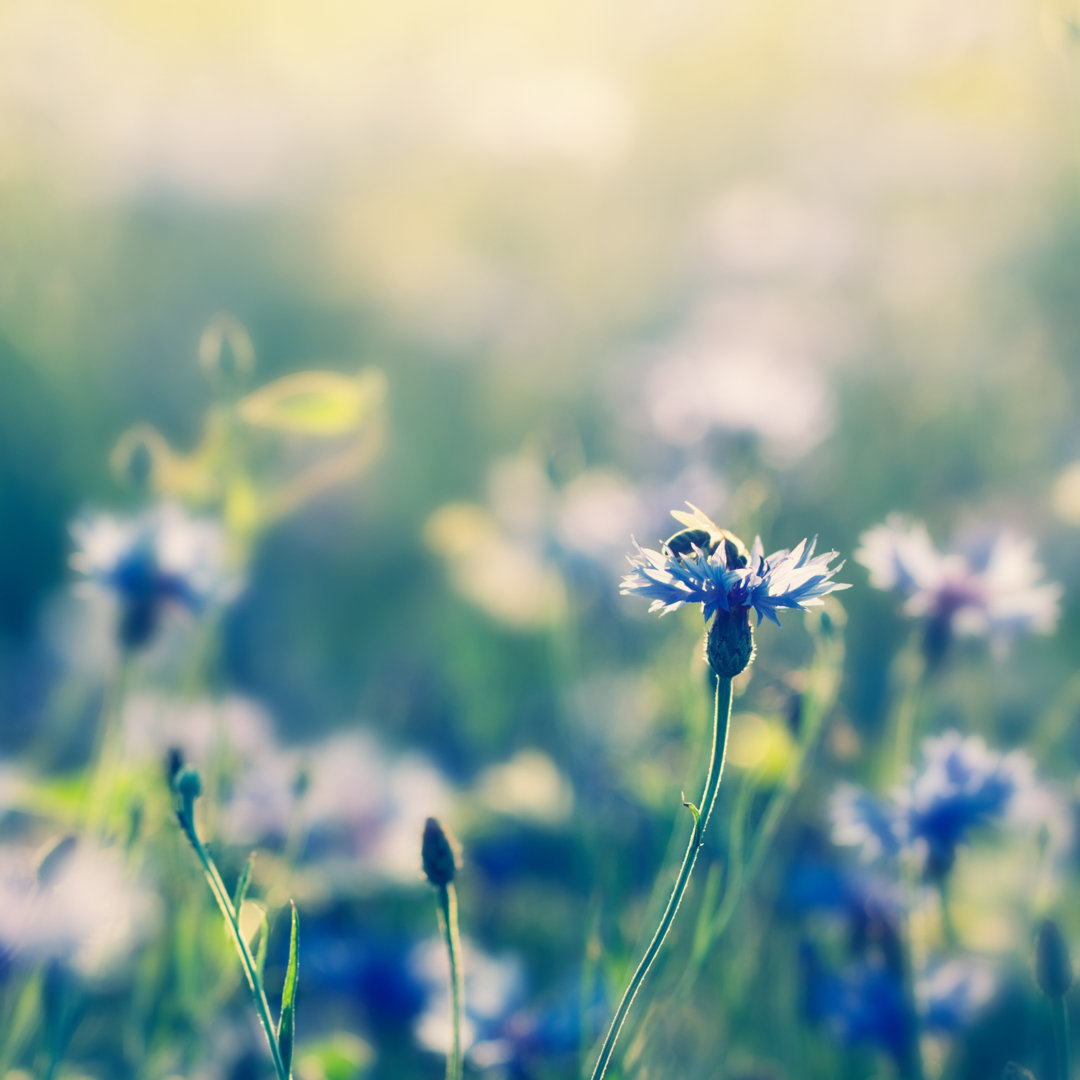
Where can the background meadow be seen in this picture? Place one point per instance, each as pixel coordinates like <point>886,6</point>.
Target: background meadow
<point>398,322</point>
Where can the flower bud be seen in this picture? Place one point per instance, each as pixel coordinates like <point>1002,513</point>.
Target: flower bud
<point>1053,968</point>
<point>437,854</point>
<point>729,643</point>
<point>188,786</point>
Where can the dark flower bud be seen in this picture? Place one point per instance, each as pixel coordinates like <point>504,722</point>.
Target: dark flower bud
<point>188,786</point>
<point>437,854</point>
<point>729,643</point>
<point>174,762</point>
<point>1053,969</point>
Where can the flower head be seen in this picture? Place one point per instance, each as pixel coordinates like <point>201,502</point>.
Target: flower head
<point>962,786</point>
<point>162,558</point>
<point>77,905</point>
<point>704,564</point>
<point>994,591</point>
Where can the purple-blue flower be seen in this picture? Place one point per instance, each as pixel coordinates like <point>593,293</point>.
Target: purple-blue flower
<point>710,567</point>
<point>962,786</point>
<point>995,590</point>
<point>162,558</point>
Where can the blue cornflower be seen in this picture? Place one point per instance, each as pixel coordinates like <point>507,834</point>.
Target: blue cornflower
<point>994,590</point>
<point>162,558</point>
<point>704,564</point>
<point>863,1003</point>
<point>963,785</point>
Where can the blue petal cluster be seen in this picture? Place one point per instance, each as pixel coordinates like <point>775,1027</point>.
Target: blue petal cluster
<point>795,578</point>
<point>962,785</point>
<point>863,1002</point>
<point>162,557</point>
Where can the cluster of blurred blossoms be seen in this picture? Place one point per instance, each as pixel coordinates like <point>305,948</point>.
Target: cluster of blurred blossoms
<point>994,589</point>
<point>538,538</point>
<point>963,785</point>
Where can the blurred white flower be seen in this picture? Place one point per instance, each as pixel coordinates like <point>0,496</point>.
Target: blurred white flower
<point>358,806</point>
<point>735,371</point>
<point>79,906</point>
<point>199,729</point>
<point>494,990</point>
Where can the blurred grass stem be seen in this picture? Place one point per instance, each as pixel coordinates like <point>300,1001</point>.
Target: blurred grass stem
<point>446,902</point>
<point>721,723</point>
<point>107,750</point>
<point>1060,1020</point>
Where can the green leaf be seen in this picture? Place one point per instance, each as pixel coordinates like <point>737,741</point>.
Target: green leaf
<point>286,1032</point>
<point>242,884</point>
<point>323,403</point>
<point>264,940</point>
<point>340,1057</point>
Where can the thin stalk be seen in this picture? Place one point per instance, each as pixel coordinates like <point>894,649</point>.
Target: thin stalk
<point>107,750</point>
<point>446,896</point>
<point>1060,1020</point>
<point>247,961</point>
<point>721,722</point>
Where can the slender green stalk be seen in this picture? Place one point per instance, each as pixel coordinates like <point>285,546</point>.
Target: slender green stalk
<point>247,961</point>
<point>446,898</point>
<point>107,750</point>
<point>1060,1020</point>
<point>824,682</point>
<point>721,722</point>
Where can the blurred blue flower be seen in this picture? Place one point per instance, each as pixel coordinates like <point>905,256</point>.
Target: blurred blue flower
<point>162,558</point>
<point>962,785</point>
<point>994,590</point>
<point>715,574</point>
<point>863,1003</point>
<point>501,1031</point>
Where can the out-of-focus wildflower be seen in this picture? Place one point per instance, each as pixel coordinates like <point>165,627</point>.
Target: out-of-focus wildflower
<point>163,558</point>
<point>535,543</point>
<point>863,1003</point>
<point>235,727</point>
<point>952,991</point>
<point>355,805</point>
<point>706,565</point>
<point>995,591</point>
<point>77,905</point>
<point>813,882</point>
<point>962,785</point>
<point>494,991</point>
<point>501,1032</point>
<point>748,368</point>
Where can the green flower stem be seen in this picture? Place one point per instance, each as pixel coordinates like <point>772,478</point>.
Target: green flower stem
<point>446,899</point>
<point>822,689</point>
<point>247,961</point>
<point>1060,1019</point>
<point>721,722</point>
<point>107,751</point>
<point>904,721</point>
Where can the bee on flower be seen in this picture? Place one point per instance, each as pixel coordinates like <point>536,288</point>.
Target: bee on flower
<point>704,564</point>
